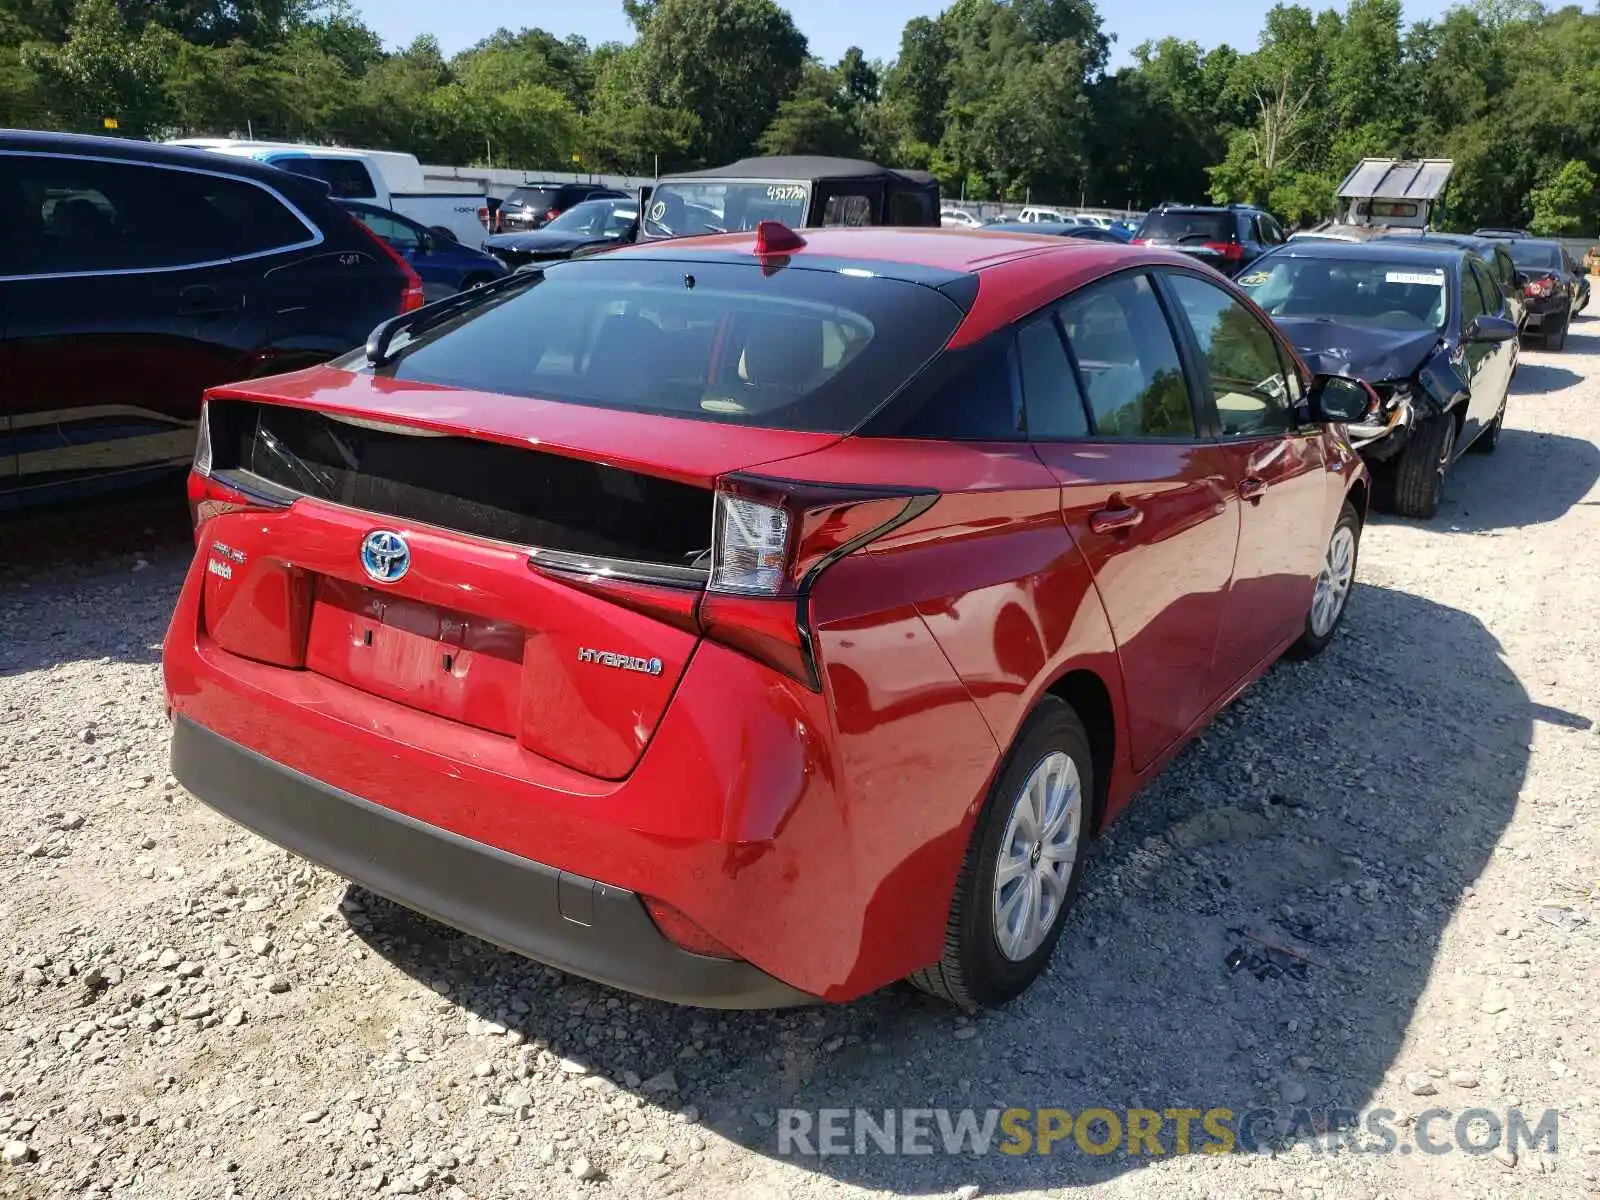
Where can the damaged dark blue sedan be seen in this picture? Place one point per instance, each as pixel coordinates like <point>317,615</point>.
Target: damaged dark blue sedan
<point>1428,327</point>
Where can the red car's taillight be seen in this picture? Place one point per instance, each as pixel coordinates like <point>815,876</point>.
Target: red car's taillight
<point>770,543</point>
<point>411,295</point>
<point>552,214</point>
<point>1231,251</point>
<point>208,496</point>
<point>1539,288</point>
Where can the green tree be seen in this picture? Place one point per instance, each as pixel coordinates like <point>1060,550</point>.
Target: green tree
<point>1568,203</point>
<point>730,62</point>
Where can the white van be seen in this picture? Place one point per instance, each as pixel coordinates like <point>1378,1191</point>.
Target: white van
<point>384,177</point>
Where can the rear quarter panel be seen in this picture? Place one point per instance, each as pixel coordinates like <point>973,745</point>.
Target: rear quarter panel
<point>934,644</point>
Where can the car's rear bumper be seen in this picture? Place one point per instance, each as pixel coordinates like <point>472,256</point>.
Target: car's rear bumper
<point>555,917</point>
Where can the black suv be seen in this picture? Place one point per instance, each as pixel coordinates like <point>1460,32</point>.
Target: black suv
<point>1227,237</point>
<point>537,204</point>
<point>134,276</point>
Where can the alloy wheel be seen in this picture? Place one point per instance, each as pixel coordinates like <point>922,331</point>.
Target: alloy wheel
<point>1333,584</point>
<point>1037,854</point>
<point>1445,455</point>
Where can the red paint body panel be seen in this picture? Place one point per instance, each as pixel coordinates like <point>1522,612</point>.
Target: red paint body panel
<point>818,834</point>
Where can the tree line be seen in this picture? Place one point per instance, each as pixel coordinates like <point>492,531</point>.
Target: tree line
<point>1002,99</point>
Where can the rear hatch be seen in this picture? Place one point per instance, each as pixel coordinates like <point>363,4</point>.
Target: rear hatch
<point>442,533</point>
<point>1209,236</point>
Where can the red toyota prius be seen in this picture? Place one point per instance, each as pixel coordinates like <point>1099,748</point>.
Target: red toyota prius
<point>757,619</point>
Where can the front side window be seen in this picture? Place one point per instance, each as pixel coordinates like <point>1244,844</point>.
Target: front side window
<point>1128,361</point>
<point>78,215</point>
<point>1240,357</point>
<point>722,342</point>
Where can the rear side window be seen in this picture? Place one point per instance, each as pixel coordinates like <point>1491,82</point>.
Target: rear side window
<point>1189,227</point>
<point>76,215</point>
<point>347,178</point>
<point>724,342</point>
<point>1128,361</point>
<point>911,208</point>
<point>847,210</point>
<point>1051,397</point>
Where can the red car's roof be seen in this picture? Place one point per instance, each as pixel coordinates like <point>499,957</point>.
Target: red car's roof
<point>943,249</point>
<point>1018,272</point>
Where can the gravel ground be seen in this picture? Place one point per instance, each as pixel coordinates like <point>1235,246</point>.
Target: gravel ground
<point>188,1012</point>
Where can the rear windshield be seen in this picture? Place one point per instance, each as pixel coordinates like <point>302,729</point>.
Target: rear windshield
<point>679,208</point>
<point>1534,254</point>
<point>795,349</point>
<point>533,197</point>
<point>1382,295</point>
<point>1188,227</point>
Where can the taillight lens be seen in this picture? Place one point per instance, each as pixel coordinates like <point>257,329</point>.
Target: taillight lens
<point>771,541</point>
<point>1232,251</point>
<point>750,551</point>
<point>202,442</point>
<point>1539,288</point>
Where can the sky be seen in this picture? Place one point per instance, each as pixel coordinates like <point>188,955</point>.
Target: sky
<point>831,26</point>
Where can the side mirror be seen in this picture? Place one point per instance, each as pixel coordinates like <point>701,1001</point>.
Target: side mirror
<point>426,243</point>
<point>443,233</point>
<point>1490,329</point>
<point>1339,399</point>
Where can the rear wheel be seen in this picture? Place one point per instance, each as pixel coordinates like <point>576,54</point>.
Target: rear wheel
<point>1022,867</point>
<point>1332,594</point>
<point>1419,474</point>
<point>472,281</point>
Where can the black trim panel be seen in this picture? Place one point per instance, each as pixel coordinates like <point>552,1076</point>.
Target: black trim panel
<point>567,921</point>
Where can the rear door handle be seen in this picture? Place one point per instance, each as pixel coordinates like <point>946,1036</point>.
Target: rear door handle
<point>1111,520</point>
<point>1252,488</point>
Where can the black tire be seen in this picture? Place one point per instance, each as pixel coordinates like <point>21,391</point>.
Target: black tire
<point>1312,641</point>
<point>973,972</point>
<point>472,281</point>
<point>1558,339</point>
<point>1420,470</point>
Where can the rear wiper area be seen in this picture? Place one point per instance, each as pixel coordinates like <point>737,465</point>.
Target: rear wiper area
<point>419,320</point>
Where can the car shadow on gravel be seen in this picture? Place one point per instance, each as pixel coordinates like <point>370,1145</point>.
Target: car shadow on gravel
<point>1342,807</point>
<point>91,580</point>
<point>1532,478</point>
<point>1541,379</point>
